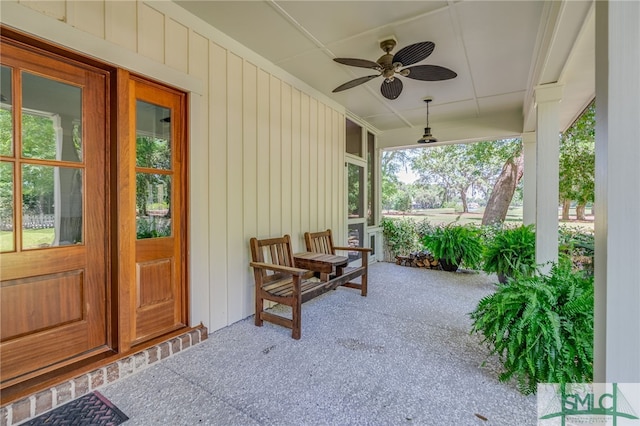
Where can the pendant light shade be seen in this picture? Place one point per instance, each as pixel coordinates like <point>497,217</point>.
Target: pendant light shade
<point>427,137</point>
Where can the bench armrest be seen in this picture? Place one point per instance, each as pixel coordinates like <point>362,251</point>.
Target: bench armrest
<point>279,268</point>
<point>360,249</point>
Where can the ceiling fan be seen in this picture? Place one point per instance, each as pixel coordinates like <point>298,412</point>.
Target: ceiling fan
<point>389,65</point>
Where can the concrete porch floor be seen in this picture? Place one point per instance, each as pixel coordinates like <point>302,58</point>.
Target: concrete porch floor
<point>402,355</point>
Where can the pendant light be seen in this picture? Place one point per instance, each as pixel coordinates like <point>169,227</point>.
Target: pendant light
<point>427,137</point>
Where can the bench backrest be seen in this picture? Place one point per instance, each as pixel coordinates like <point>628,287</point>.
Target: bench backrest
<point>276,251</point>
<point>319,242</point>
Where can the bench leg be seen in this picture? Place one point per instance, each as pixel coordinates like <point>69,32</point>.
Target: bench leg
<point>365,264</point>
<point>296,317</point>
<point>259,308</point>
<point>363,283</point>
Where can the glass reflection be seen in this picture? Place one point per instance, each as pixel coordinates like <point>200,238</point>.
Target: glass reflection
<point>355,239</point>
<point>7,235</point>
<point>153,136</point>
<point>356,191</point>
<point>51,117</point>
<point>153,205</point>
<point>6,106</point>
<point>52,207</point>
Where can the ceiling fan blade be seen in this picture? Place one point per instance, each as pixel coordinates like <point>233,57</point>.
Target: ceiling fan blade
<point>354,83</point>
<point>430,73</point>
<point>391,89</point>
<point>362,63</point>
<point>414,53</point>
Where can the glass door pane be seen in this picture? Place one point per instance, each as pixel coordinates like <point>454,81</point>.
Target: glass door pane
<point>6,108</point>
<point>153,170</point>
<point>51,171</point>
<point>355,191</point>
<point>7,234</point>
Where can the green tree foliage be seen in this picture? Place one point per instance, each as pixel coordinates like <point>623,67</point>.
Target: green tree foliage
<point>577,162</point>
<point>456,169</point>
<point>38,141</point>
<point>392,163</point>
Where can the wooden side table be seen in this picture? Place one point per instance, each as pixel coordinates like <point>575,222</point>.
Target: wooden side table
<point>325,264</point>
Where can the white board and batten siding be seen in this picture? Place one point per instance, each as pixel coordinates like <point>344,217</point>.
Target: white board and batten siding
<point>266,150</point>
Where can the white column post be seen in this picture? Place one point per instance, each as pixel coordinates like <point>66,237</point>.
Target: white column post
<point>617,262</point>
<point>529,178</point>
<point>547,98</point>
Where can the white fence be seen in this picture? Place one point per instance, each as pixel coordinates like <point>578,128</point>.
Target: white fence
<point>40,221</point>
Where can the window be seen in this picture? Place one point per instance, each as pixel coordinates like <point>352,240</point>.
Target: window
<point>354,139</point>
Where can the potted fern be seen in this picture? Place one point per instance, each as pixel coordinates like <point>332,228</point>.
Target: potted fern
<point>511,252</point>
<point>455,245</point>
<point>541,327</point>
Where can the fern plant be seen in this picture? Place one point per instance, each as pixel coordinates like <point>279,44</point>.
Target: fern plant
<point>455,245</point>
<point>541,327</point>
<point>511,252</point>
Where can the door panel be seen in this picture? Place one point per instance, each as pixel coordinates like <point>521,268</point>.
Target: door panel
<point>159,296</point>
<point>53,266</point>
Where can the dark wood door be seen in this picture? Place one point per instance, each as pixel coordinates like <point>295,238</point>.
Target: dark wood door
<point>158,299</point>
<point>53,263</point>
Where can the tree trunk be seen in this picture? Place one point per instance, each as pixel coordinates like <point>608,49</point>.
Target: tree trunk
<point>566,205</point>
<point>463,196</point>
<point>580,209</point>
<point>502,193</point>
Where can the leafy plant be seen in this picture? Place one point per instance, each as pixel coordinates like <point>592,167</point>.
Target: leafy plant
<point>577,245</point>
<point>541,327</point>
<point>399,235</point>
<point>511,252</point>
<point>152,227</point>
<point>455,245</point>
<point>423,228</point>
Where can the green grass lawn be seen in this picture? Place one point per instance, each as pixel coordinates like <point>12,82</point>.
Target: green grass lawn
<point>448,215</point>
<point>32,238</point>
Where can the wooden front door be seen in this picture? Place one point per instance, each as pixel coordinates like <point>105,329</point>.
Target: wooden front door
<point>53,182</point>
<point>158,299</point>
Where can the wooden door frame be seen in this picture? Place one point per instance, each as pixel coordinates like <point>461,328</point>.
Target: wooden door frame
<point>120,275</point>
<point>126,201</point>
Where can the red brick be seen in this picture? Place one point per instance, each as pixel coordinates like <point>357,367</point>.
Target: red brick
<point>97,378</point>
<point>21,410</point>
<point>113,372</point>
<point>140,360</point>
<point>186,341</point>
<point>164,350</point>
<point>152,354</point>
<point>126,366</point>
<point>175,345</point>
<point>4,416</point>
<point>63,391</point>
<point>82,385</point>
<point>44,401</point>
<point>195,337</point>
<point>204,333</point>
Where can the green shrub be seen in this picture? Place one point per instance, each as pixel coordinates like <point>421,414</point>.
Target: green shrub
<point>511,252</point>
<point>541,327</point>
<point>399,235</point>
<point>578,245</point>
<point>423,228</point>
<point>456,245</point>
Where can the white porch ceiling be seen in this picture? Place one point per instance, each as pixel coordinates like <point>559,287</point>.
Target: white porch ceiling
<point>501,50</point>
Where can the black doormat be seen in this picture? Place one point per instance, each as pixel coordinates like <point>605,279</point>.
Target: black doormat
<point>92,409</point>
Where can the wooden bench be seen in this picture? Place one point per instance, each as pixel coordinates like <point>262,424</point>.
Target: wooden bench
<point>322,242</point>
<point>277,279</point>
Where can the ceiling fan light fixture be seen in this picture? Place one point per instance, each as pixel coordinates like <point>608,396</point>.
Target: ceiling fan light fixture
<point>427,137</point>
